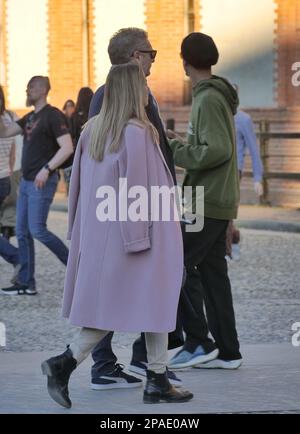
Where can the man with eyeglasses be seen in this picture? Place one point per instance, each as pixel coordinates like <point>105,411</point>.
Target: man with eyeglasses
<point>47,145</point>
<point>127,45</point>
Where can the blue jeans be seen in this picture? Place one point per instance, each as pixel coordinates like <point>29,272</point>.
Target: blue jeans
<point>32,213</point>
<point>8,251</point>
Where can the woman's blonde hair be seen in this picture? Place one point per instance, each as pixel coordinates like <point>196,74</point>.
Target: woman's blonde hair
<point>123,100</point>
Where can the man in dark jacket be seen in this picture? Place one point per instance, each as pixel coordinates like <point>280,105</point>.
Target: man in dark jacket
<point>126,45</point>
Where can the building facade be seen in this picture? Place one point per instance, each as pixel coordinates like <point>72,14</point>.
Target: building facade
<point>67,40</point>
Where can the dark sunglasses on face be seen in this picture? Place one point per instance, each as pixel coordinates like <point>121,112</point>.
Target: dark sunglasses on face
<point>152,53</point>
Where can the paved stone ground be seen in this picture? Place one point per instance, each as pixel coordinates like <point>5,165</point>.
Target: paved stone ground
<point>266,289</point>
<point>267,382</point>
<point>265,285</point>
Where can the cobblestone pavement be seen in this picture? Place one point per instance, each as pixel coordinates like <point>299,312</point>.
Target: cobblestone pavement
<point>265,284</point>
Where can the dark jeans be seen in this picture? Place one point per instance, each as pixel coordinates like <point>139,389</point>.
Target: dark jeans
<point>7,250</point>
<point>32,213</point>
<point>208,281</point>
<point>190,316</point>
<point>105,358</point>
<point>4,188</point>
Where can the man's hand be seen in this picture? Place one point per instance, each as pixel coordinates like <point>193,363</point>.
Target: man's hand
<point>41,178</point>
<point>11,130</point>
<point>258,188</point>
<point>172,135</point>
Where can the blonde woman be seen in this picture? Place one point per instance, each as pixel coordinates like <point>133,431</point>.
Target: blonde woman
<point>122,275</point>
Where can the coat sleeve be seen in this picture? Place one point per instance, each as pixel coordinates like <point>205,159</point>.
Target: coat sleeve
<point>134,168</point>
<point>212,143</point>
<point>96,102</point>
<point>74,189</point>
<point>251,143</point>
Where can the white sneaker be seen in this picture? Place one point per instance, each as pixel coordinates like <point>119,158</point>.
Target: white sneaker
<point>220,364</point>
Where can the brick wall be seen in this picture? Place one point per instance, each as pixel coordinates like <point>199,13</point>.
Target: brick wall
<point>66,47</point>
<point>166,26</point>
<point>284,155</point>
<point>91,44</point>
<point>288,51</point>
<point>3,42</point>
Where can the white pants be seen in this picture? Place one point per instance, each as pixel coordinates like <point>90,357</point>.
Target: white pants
<point>156,343</point>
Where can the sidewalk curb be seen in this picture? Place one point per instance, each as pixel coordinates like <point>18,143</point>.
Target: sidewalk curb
<point>269,225</point>
<point>61,207</point>
<point>215,391</point>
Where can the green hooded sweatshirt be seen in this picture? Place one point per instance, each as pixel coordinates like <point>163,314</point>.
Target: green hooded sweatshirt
<point>209,157</point>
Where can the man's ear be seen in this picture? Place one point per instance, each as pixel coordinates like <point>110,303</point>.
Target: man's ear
<point>135,60</point>
<point>185,67</point>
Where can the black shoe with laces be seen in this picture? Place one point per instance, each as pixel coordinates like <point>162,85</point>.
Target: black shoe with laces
<point>19,290</point>
<point>140,368</point>
<point>115,379</point>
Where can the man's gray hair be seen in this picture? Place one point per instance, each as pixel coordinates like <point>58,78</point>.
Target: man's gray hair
<point>123,44</point>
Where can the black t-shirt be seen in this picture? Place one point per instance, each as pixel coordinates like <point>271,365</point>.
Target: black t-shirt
<point>41,131</point>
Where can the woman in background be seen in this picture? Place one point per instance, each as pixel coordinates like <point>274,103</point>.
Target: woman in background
<point>81,113</point>
<point>69,108</point>
<point>77,120</point>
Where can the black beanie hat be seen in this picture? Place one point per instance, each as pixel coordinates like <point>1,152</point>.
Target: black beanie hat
<point>199,50</point>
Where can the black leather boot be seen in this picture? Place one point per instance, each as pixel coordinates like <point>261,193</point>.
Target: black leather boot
<point>158,388</point>
<point>59,369</point>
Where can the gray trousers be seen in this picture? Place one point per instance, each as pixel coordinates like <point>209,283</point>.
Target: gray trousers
<point>157,347</point>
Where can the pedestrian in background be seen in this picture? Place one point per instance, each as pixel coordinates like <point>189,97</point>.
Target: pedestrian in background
<point>7,161</point>
<point>69,108</point>
<point>76,121</point>
<point>246,143</point>
<point>47,145</point>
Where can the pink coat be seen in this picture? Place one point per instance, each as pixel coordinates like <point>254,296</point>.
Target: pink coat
<point>121,276</point>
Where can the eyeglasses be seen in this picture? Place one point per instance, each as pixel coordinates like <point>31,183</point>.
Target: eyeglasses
<point>152,53</point>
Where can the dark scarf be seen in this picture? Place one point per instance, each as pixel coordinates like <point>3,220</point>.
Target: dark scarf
<point>155,119</point>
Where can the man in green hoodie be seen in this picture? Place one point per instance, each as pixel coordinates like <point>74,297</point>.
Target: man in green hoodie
<point>209,159</point>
